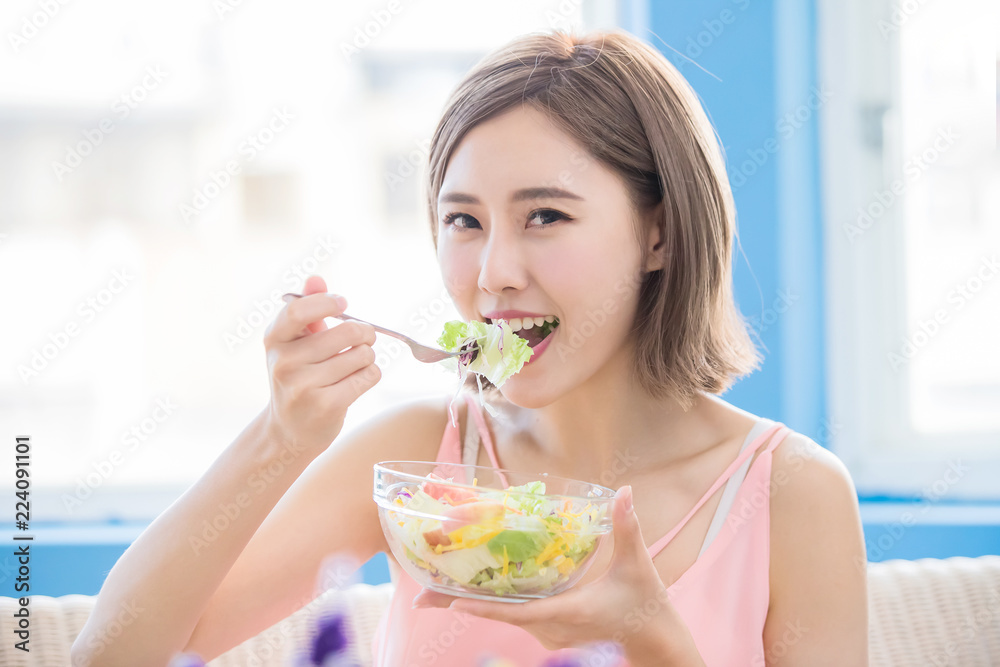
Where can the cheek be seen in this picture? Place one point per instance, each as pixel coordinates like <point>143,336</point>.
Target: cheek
<point>458,271</point>
<point>590,267</point>
<point>588,282</point>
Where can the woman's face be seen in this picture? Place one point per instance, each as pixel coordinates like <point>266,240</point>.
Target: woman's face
<point>529,221</point>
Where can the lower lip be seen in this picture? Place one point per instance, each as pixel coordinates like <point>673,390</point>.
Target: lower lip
<point>538,349</point>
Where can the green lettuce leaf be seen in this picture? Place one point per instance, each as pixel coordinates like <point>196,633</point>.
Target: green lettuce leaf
<point>521,545</point>
<point>499,351</point>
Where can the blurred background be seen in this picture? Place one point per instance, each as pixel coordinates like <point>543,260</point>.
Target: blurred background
<point>168,170</point>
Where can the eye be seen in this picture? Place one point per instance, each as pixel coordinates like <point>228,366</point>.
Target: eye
<point>548,215</point>
<point>452,217</point>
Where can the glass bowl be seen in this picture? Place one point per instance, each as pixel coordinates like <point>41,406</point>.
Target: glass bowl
<point>460,530</point>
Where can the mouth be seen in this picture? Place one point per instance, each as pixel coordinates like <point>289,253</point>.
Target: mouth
<point>530,329</point>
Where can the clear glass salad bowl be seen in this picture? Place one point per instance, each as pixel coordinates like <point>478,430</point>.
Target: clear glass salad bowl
<point>458,529</point>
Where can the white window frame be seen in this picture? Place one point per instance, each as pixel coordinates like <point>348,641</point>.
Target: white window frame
<point>864,316</point>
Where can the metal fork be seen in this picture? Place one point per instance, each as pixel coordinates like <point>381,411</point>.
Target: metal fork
<point>421,352</point>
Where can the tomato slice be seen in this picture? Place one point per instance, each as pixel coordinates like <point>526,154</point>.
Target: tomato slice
<point>447,493</point>
<point>484,511</point>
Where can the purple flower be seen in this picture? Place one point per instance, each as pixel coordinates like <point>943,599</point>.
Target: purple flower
<point>563,662</point>
<point>186,660</point>
<point>331,639</point>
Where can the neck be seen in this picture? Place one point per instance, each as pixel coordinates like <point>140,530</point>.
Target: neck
<point>608,429</point>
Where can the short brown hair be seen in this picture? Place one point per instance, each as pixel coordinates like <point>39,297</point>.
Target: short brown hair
<point>634,112</point>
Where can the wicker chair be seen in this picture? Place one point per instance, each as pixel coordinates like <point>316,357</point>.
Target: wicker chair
<point>923,612</point>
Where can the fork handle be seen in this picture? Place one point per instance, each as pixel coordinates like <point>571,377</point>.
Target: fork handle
<point>345,316</point>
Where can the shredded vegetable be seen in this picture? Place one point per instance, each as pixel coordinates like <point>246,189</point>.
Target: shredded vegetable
<point>493,351</point>
<point>515,541</point>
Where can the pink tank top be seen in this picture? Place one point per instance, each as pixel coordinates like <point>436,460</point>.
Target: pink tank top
<point>722,597</point>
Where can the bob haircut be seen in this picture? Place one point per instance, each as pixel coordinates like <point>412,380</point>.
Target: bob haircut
<point>634,113</point>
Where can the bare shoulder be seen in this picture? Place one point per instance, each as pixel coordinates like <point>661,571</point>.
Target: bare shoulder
<point>408,430</point>
<point>807,479</point>
<point>818,591</point>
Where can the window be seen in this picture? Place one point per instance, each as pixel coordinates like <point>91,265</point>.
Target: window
<point>912,175</point>
<point>160,191</point>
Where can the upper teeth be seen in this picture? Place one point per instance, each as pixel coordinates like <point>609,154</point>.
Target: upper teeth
<point>519,323</point>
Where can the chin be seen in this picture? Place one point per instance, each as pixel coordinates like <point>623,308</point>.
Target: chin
<point>528,393</point>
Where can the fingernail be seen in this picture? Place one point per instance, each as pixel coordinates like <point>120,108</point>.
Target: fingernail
<point>341,301</point>
<point>628,498</point>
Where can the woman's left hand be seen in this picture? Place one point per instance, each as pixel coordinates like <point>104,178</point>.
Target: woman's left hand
<point>627,604</point>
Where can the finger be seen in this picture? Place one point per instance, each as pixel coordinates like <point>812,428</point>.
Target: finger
<point>627,534</point>
<point>349,389</point>
<point>317,348</point>
<point>292,320</point>
<point>314,285</point>
<point>427,598</point>
<point>516,613</point>
<point>340,366</point>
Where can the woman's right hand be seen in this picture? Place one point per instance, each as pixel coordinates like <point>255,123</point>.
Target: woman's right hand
<point>316,372</point>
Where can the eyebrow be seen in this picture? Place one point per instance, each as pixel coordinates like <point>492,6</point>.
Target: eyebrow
<point>524,194</point>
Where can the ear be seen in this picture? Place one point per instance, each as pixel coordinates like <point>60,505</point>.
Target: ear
<point>654,223</point>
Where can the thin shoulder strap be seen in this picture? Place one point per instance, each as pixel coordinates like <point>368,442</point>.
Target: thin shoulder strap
<point>778,427</point>
<point>470,444</point>
<point>450,450</point>
<point>485,435</point>
<point>732,486</point>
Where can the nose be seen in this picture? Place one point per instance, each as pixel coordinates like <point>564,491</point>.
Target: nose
<point>502,265</point>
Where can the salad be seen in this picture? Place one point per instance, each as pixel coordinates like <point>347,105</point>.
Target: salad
<point>489,349</point>
<point>510,542</point>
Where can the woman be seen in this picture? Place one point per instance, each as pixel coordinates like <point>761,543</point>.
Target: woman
<point>569,176</point>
